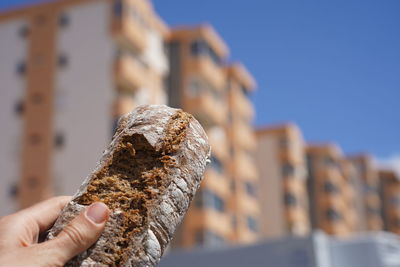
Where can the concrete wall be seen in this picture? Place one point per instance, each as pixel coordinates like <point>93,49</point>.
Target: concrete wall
<point>12,89</point>
<point>84,93</point>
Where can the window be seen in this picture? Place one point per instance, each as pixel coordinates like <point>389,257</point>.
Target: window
<point>21,68</point>
<point>13,190</point>
<point>117,8</point>
<point>19,107</point>
<point>250,189</point>
<point>330,187</point>
<point>208,199</point>
<point>290,199</point>
<point>195,88</point>
<point>59,140</point>
<point>284,142</point>
<point>23,31</point>
<point>252,223</point>
<point>373,211</point>
<point>216,164</point>
<point>63,20</point>
<point>201,48</point>
<point>245,91</point>
<point>330,162</point>
<point>62,60</point>
<point>333,215</point>
<point>287,170</point>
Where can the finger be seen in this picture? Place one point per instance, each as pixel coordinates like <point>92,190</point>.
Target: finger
<point>78,236</point>
<point>44,213</point>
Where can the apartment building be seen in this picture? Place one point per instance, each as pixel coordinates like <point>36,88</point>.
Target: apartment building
<point>390,200</point>
<point>283,199</point>
<point>69,68</point>
<point>328,190</point>
<point>243,173</point>
<point>224,210</point>
<point>367,173</point>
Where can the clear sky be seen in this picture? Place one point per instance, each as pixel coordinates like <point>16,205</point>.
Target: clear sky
<point>332,67</point>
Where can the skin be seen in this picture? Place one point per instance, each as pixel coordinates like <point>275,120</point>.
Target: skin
<point>19,234</point>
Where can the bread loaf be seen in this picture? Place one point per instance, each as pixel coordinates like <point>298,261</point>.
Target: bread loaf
<point>147,177</point>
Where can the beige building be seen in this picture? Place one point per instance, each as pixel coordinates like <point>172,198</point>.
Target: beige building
<point>282,187</point>
<point>68,68</point>
<point>367,173</point>
<point>390,200</point>
<point>328,190</point>
<point>224,210</point>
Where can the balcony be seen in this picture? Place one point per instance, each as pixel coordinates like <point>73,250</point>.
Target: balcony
<point>242,105</point>
<point>129,73</point>
<point>123,105</point>
<point>245,167</point>
<point>126,29</point>
<point>244,135</point>
<point>207,109</point>
<point>203,66</point>
<point>217,182</point>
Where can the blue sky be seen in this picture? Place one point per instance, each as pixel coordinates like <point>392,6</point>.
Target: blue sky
<point>332,67</point>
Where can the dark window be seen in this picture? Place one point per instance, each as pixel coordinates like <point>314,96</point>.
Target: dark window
<point>62,60</point>
<point>23,31</point>
<point>201,48</point>
<point>250,189</point>
<point>290,199</point>
<point>59,140</point>
<point>252,223</point>
<point>330,187</point>
<point>19,107</point>
<point>208,199</point>
<point>245,91</point>
<point>21,68</point>
<point>287,170</point>
<point>117,8</point>
<point>333,215</point>
<point>13,191</point>
<point>328,161</point>
<point>63,20</point>
<point>216,164</point>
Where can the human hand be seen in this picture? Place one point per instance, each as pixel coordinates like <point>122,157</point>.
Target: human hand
<point>19,234</point>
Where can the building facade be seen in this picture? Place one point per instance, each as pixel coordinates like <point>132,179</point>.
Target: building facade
<point>70,68</point>
<point>327,187</point>
<point>282,187</point>
<point>367,173</point>
<point>201,83</point>
<point>390,200</point>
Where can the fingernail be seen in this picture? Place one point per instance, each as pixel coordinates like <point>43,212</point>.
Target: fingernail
<point>97,212</point>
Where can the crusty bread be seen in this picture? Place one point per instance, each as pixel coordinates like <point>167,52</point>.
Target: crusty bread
<point>147,177</point>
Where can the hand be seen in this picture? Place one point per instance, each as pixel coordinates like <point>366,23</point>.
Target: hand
<point>19,234</point>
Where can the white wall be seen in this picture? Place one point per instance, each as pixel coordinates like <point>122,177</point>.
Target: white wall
<point>84,93</point>
<point>13,49</point>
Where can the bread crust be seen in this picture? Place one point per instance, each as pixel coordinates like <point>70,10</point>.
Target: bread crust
<point>147,176</point>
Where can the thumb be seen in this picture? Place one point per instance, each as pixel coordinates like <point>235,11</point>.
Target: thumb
<point>80,234</point>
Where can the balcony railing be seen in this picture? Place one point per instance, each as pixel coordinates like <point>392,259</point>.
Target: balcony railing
<point>207,109</point>
<point>206,68</point>
<point>126,29</point>
<point>129,73</point>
